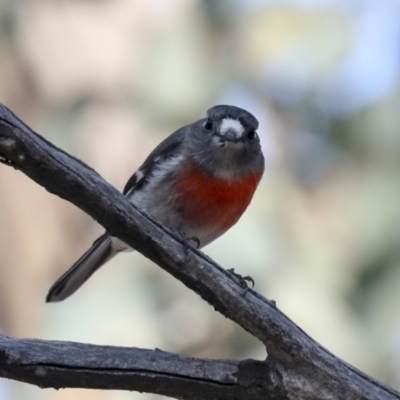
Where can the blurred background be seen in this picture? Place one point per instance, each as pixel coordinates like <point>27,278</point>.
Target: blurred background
<point>107,80</point>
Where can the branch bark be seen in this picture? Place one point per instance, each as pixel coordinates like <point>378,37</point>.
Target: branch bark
<point>297,367</point>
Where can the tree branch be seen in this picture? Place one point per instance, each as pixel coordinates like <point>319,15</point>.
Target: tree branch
<point>63,364</point>
<point>297,367</point>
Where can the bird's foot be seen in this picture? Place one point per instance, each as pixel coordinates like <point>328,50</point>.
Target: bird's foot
<point>188,248</point>
<point>242,281</point>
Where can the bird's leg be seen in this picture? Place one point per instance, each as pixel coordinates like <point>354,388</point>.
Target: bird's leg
<point>185,241</point>
<point>242,280</point>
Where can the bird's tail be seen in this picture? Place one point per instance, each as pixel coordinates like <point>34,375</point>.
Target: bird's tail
<point>100,252</point>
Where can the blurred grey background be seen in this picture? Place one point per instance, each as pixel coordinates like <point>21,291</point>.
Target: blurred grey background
<point>107,80</point>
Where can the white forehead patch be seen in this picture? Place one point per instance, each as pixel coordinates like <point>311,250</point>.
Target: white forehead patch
<point>234,124</point>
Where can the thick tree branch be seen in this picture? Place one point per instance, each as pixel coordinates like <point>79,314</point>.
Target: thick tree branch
<point>63,364</point>
<point>297,366</point>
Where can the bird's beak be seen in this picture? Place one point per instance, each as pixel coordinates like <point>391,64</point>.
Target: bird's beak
<point>230,136</point>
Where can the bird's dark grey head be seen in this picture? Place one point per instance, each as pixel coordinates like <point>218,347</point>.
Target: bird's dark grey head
<point>226,142</point>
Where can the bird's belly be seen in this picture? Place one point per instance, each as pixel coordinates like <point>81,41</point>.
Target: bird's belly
<point>196,204</point>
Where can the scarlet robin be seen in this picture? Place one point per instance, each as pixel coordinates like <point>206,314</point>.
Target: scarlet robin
<point>198,181</point>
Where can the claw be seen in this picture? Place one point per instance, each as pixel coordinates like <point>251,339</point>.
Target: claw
<point>242,281</point>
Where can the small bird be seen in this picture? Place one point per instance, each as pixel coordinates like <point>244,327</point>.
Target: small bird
<point>197,182</point>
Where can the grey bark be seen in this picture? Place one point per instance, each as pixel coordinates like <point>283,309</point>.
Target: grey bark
<point>297,367</point>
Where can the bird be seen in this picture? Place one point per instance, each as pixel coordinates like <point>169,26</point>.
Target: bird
<point>198,182</point>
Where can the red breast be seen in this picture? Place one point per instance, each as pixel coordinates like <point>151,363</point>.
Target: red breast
<point>212,201</point>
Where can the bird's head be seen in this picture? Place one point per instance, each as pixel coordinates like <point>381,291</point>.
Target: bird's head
<point>226,142</point>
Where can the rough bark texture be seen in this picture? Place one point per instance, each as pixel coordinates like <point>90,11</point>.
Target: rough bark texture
<point>297,367</point>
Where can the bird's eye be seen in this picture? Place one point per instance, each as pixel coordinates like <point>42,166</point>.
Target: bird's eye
<point>252,135</point>
<point>208,125</point>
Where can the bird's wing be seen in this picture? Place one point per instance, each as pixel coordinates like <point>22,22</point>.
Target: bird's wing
<point>167,149</point>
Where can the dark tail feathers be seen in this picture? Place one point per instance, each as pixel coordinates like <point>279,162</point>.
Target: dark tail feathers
<point>100,252</point>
